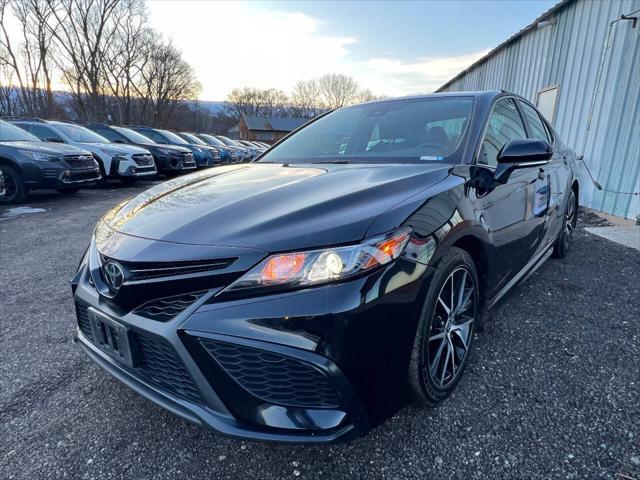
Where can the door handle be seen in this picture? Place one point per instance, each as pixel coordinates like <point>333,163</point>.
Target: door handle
<point>541,174</point>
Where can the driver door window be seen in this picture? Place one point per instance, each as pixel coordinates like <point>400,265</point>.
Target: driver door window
<point>504,125</point>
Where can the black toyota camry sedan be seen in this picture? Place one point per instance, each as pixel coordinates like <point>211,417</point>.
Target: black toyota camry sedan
<point>285,298</point>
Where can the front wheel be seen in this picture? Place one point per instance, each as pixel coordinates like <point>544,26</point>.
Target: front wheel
<point>565,238</point>
<point>14,190</point>
<point>446,329</point>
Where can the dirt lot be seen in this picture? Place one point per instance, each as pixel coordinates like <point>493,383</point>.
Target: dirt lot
<point>552,390</point>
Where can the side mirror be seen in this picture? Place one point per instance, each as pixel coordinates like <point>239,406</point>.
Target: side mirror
<point>521,154</point>
<point>55,140</point>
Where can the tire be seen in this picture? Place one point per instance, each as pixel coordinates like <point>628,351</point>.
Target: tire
<point>15,190</point>
<point>68,190</point>
<point>563,243</point>
<point>103,176</point>
<point>432,378</point>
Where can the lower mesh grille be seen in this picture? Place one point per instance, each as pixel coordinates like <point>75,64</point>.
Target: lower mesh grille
<point>83,321</point>
<point>275,378</point>
<point>143,160</point>
<point>80,162</point>
<point>164,309</point>
<point>161,366</point>
<point>159,363</point>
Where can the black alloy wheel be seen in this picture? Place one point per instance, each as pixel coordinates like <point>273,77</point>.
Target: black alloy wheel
<point>446,330</point>
<point>14,189</point>
<point>565,237</point>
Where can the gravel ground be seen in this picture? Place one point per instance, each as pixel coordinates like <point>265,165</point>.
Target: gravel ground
<point>552,390</point>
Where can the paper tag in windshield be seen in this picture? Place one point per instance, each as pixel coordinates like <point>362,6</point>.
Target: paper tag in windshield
<point>432,158</point>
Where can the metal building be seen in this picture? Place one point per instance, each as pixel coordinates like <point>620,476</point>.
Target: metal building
<point>580,64</point>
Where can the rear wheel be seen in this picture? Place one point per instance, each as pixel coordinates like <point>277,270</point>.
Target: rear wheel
<point>563,243</point>
<point>446,329</point>
<point>14,189</point>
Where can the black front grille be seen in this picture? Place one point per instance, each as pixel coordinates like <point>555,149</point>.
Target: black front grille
<point>80,162</point>
<point>273,377</point>
<point>161,366</point>
<point>147,270</point>
<point>158,364</point>
<point>164,309</point>
<point>143,159</point>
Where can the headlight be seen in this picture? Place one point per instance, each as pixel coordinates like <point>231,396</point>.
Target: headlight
<point>167,151</point>
<point>40,157</point>
<point>314,267</point>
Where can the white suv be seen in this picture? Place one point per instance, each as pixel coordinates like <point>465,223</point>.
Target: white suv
<point>126,162</point>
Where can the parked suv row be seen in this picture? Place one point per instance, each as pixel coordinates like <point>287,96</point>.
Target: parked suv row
<point>27,163</point>
<point>125,162</point>
<point>169,159</point>
<point>204,155</point>
<point>66,156</point>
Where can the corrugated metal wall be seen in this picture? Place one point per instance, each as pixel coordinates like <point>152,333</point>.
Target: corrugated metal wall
<point>570,53</point>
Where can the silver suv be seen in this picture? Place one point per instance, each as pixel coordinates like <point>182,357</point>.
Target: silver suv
<point>125,162</point>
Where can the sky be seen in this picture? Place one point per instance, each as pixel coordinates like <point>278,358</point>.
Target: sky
<point>392,48</point>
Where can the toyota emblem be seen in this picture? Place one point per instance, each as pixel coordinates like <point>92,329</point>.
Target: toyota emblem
<point>113,275</point>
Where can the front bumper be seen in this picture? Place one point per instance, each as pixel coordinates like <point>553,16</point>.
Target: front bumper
<point>175,163</point>
<point>298,367</point>
<point>131,166</point>
<point>54,175</point>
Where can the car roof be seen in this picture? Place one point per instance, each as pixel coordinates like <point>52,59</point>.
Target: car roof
<point>487,94</point>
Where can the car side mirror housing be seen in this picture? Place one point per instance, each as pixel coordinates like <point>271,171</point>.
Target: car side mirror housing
<point>521,154</point>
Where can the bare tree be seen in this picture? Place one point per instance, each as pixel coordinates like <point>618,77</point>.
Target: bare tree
<point>253,101</point>
<point>337,90</point>
<point>306,98</point>
<point>83,29</point>
<point>365,95</point>
<point>28,62</point>
<point>123,59</point>
<point>166,81</point>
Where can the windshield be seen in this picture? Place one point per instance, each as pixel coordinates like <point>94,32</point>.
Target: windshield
<point>227,141</point>
<point>417,130</point>
<point>11,133</point>
<point>192,138</point>
<point>173,137</point>
<point>80,134</point>
<point>132,136</point>
<point>213,140</point>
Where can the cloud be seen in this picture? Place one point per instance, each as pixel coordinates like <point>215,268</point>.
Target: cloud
<point>235,44</point>
<point>396,77</point>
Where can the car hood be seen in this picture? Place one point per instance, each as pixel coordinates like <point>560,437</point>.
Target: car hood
<point>166,146</point>
<point>48,147</point>
<point>272,207</point>
<point>119,147</point>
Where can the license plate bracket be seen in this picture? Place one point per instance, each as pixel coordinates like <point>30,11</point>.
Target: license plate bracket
<point>113,338</point>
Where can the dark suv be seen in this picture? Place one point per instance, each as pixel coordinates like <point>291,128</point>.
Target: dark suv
<point>170,159</point>
<point>204,155</point>
<point>28,164</point>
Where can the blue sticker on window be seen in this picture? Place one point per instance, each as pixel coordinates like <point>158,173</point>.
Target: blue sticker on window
<point>432,158</point>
